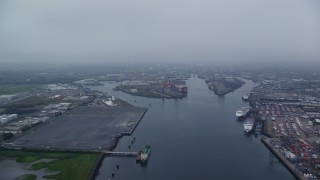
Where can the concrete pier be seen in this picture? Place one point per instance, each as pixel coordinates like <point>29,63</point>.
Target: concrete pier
<point>121,154</point>
<point>142,115</point>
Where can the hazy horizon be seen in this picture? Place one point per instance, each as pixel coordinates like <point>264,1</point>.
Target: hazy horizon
<point>205,31</point>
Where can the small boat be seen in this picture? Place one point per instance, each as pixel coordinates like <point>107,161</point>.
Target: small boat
<point>245,97</point>
<point>144,154</point>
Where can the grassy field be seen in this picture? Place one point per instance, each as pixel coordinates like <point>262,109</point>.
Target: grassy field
<point>78,167</point>
<point>27,177</point>
<point>16,88</point>
<point>70,165</point>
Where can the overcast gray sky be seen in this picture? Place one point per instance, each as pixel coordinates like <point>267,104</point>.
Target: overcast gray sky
<point>160,30</point>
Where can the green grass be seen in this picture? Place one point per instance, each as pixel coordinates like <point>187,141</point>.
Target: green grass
<point>70,165</point>
<point>78,167</point>
<point>16,88</point>
<point>27,177</point>
<point>27,159</point>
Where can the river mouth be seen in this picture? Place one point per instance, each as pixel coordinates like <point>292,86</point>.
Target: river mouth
<point>10,169</point>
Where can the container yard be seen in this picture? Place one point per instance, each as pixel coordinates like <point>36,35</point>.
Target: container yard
<point>301,157</point>
<point>291,119</point>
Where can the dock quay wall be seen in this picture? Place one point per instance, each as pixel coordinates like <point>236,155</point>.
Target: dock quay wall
<point>142,115</point>
<point>96,167</point>
<point>282,159</point>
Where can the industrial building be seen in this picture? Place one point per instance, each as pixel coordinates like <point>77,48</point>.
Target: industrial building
<point>7,117</point>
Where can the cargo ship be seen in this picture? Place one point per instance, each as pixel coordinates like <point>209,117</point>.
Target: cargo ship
<point>144,154</point>
<point>248,125</point>
<point>243,112</point>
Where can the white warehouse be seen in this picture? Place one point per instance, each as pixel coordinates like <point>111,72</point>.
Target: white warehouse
<point>7,117</point>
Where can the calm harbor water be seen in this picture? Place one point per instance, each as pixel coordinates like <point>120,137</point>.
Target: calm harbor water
<point>197,137</point>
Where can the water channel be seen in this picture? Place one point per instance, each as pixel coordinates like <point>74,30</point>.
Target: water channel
<point>197,137</point>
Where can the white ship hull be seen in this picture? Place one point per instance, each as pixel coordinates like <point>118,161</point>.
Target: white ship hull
<point>248,125</point>
<point>242,112</point>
